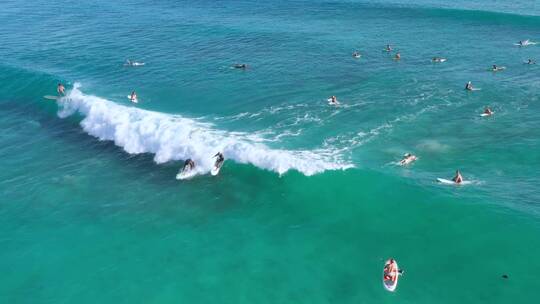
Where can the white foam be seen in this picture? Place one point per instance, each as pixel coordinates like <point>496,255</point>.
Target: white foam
<point>173,137</point>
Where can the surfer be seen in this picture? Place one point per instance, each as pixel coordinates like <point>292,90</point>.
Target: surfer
<point>388,48</point>
<point>219,159</point>
<point>133,97</point>
<point>469,86</point>
<point>355,54</point>
<point>458,179</point>
<point>333,99</point>
<point>60,89</point>
<point>530,61</point>
<point>240,66</point>
<point>437,59</point>
<point>188,165</point>
<point>407,159</point>
<point>398,56</point>
<point>488,111</point>
<point>390,270</point>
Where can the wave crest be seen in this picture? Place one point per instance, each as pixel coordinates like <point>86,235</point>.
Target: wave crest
<point>173,137</point>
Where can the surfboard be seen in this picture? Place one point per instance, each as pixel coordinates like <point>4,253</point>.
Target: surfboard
<point>332,103</point>
<point>134,100</point>
<point>486,115</point>
<point>439,60</point>
<point>51,97</point>
<point>498,69</point>
<point>451,182</point>
<point>389,284</point>
<point>407,161</point>
<point>215,170</point>
<point>186,174</point>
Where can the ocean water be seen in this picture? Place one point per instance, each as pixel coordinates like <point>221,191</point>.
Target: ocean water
<point>309,203</point>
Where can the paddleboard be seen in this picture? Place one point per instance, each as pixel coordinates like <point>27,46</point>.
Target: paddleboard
<point>134,100</point>
<point>389,284</point>
<point>51,97</point>
<point>186,174</point>
<point>451,182</point>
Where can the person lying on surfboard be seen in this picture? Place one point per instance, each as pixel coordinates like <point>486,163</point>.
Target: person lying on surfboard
<point>60,89</point>
<point>407,158</point>
<point>458,179</point>
<point>188,164</point>
<point>488,111</point>
<point>469,86</point>
<point>390,271</point>
<point>240,66</point>
<point>133,96</point>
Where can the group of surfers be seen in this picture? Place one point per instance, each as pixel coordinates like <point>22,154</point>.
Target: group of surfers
<point>189,164</point>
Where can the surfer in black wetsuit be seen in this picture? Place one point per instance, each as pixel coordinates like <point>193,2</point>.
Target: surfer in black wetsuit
<point>240,66</point>
<point>188,164</point>
<point>219,159</point>
<point>469,86</point>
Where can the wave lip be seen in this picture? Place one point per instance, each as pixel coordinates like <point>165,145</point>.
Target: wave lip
<point>173,137</point>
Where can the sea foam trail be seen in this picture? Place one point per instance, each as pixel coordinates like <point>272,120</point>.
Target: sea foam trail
<point>173,137</point>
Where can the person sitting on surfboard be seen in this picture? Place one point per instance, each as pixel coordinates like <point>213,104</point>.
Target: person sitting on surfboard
<point>61,90</point>
<point>488,111</point>
<point>388,48</point>
<point>188,164</point>
<point>469,86</point>
<point>133,97</point>
<point>458,179</point>
<point>390,271</point>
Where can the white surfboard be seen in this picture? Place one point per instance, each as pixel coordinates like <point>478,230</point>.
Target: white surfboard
<point>486,115</point>
<point>51,97</point>
<point>389,284</point>
<point>475,89</point>
<point>132,100</point>
<point>451,182</point>
<point>215,170</point>
<point>332,103</point>
<point>407,161</point>
<point>186,174</point>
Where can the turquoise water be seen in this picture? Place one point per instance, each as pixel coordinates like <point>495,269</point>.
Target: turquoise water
<point>309,203</point>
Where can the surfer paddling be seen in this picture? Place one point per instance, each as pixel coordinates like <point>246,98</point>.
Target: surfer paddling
<point>407,159</point>
<point>61,89</point>
<point>458,179</point>
<point>488,111</point>
<point>242,66</point>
